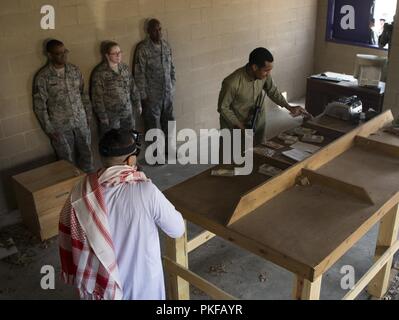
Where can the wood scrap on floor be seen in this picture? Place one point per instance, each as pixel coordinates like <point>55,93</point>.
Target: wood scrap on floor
<point>27,246</point>
<point>197,292</point>
<point>393,291</point>
<point>263,277</point>
<point>217,270</point>
<point>7,248</point>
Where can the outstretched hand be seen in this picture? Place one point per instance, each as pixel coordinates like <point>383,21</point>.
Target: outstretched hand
<point>297,111</point>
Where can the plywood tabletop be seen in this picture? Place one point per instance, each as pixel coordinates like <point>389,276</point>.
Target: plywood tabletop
<point>385,137</point>
<point>304,229</point>
<point>215,197</point>
<point>305,225</point>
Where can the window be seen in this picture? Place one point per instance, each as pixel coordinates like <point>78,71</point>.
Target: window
<point>359,22</point>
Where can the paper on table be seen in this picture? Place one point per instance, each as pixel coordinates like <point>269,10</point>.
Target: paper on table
<point>297,155</point>
<point>344,77</point>
<point>305,147</point>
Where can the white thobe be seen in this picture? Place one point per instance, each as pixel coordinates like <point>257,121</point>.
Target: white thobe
<point>134,212</point>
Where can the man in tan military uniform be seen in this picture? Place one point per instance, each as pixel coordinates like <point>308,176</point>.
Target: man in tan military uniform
<point>63,108</point>
<point>242,91</point>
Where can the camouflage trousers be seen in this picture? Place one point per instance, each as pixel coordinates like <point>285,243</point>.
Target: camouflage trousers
<point>127,123</point>
<point>158,114</point>
<point>74,145</point>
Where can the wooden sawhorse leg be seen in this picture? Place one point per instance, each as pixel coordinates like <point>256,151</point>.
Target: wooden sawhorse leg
<point>387,236</point>
<point>176,250</point>
<point>306,290</point>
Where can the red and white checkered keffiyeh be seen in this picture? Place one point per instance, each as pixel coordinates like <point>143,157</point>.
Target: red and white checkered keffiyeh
<point>87,253</point>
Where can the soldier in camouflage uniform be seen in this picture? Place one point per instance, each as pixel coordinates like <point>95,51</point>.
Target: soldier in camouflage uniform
<point>155,78</point>
<point>63,108</point>
<point>241,91</point>
<point>116,100</point>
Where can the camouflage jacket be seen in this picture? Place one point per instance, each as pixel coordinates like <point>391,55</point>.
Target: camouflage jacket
<point>60,103</point>
<point>154,70</point>
<point>114,94</point>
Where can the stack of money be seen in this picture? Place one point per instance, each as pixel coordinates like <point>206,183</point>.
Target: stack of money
<point>273,145</point>
<point>288,139</point>
<point>269,170</point>
<point>264,151</point>
<point>312,138</point>
<point>223,173</point>
<point>303,131</point>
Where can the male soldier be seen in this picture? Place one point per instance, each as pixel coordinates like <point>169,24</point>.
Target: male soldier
<point>155,78</point>
<point>115,97</point>
<point>242,92</point>
<point>62,107</point>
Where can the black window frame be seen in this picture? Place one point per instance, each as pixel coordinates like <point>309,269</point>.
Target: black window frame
<point>330,31</point>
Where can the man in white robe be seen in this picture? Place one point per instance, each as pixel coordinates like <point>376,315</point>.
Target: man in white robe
<point>115,214</point>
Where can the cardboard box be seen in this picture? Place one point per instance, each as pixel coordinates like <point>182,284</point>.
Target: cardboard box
<point>41,195</point>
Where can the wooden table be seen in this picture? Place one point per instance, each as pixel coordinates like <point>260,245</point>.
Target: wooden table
<point>354,184</point>
<point>320,92</point>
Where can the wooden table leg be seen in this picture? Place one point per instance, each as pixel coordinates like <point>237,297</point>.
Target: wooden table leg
<point>306,290</point>
<point>387,236</point>
<point>176,250</point>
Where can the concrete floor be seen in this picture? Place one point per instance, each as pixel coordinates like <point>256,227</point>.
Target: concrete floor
<point>238,272</point>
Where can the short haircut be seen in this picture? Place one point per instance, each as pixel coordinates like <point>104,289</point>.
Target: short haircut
<point>260,56</point>
<point>107,46</point>
<point>152,23</point>
<point>52,44</point>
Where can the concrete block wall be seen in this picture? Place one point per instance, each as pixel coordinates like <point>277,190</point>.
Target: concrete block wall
<point>210,39</point>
